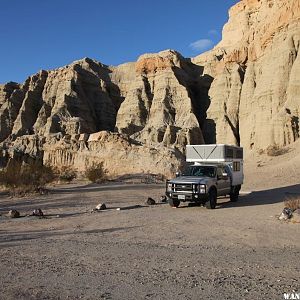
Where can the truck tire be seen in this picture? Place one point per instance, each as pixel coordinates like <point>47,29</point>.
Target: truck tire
<point>212,199</point>
<point>234,195</point>
<point>173,202</point>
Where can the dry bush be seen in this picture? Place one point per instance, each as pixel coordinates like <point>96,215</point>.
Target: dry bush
<point>96,173</point>
<point>21,178</point>
<point>10,176</point>
<point>66,173</point>
<point>292,202</point>
<point>275,150</point>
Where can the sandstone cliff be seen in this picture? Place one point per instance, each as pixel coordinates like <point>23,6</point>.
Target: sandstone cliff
<point>255,91</point>
<point>67,116</point>
<point>161,106</point>
<point>138,117</point>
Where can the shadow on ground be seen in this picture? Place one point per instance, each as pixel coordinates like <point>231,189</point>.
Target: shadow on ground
<point>264,197</point>
<point>255,198</point>
<point>75,197</point>
<point>13,238</point>
<point>71,198</point>
<point>93,187</point>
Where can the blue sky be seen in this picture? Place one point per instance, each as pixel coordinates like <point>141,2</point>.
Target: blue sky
<point>41,34</point>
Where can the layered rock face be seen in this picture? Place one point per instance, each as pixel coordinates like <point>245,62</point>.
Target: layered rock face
<point>255,91</point>
<point>157,105</point>
<point>79,98</point>
<point>139,116</point>
<point>163,104</point>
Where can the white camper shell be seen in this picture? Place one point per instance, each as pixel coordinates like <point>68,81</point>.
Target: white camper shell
<point>217,154</point>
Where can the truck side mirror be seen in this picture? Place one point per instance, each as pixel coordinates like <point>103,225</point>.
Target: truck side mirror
<point>177,174</point>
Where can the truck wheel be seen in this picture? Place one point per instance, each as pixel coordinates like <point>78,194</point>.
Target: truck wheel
<point>212,200</point>
<point>173,202</point>
<point>234,195</point>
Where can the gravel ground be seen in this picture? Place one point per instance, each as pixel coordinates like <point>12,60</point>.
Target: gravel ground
<point>238,251</point>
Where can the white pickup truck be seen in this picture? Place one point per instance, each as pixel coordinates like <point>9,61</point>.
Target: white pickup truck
<point>217,170</point>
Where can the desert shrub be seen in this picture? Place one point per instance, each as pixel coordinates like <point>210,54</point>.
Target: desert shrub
<point>66,174</point>
<point>10,176</point>
<point>96,173</point>
<point>37,175</point>
<point>292,202</point>
<point>24,178</point>
<point>275,150</point>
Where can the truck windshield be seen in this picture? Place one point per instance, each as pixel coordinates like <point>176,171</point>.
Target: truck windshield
<point>205,171</point>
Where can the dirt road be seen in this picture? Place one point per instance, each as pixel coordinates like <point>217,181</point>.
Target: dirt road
<point>238,251</point>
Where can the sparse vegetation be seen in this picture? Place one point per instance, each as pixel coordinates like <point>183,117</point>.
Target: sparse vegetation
<point>275,150</point>
<point>21,179</point>
<point>96,173</point>
<point>66,173</point>
<point>292,202</point>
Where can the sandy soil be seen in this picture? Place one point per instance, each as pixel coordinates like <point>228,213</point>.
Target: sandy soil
<point>238,251</point>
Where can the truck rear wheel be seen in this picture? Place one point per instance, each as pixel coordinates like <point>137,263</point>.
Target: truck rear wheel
<point>212,200</point>
<point>234,195</point>
<point>173,202</point>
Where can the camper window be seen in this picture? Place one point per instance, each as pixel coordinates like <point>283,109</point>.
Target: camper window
<point>229,152</point>
<point>239,154</point>
<point>236,166</point>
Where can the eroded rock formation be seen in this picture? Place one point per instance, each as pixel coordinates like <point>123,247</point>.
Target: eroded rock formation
<point>161,105</point>
<point>255,91</point>
<point>139,116</point>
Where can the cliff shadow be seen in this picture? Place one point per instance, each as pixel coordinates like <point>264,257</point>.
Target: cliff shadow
<point>209,131</point>
<point>198,84</point>
<point>100,101</point>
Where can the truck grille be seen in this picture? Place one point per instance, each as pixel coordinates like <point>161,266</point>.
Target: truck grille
<point>188,188</point>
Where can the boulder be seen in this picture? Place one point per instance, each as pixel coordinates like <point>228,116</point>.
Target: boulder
<point>37,213</point>
<point>296,212</point>
<point>163,199</point>
<point>13,214</point>
<point>295,218</point>
<point>286,214</point>
<point>150,201</point>
<point>101,206</point>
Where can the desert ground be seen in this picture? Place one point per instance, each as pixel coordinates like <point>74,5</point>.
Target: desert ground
<point>237,251</point>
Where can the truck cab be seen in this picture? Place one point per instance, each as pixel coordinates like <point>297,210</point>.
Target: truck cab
<point>209,177</point>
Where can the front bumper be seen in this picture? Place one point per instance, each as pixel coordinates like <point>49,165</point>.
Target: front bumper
<point>187,197</point>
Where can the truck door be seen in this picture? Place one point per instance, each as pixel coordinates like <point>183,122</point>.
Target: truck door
<point>223,183</point>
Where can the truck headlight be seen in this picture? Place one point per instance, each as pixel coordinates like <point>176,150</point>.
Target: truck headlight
<point>202,188</point>
<point>169,187</point>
